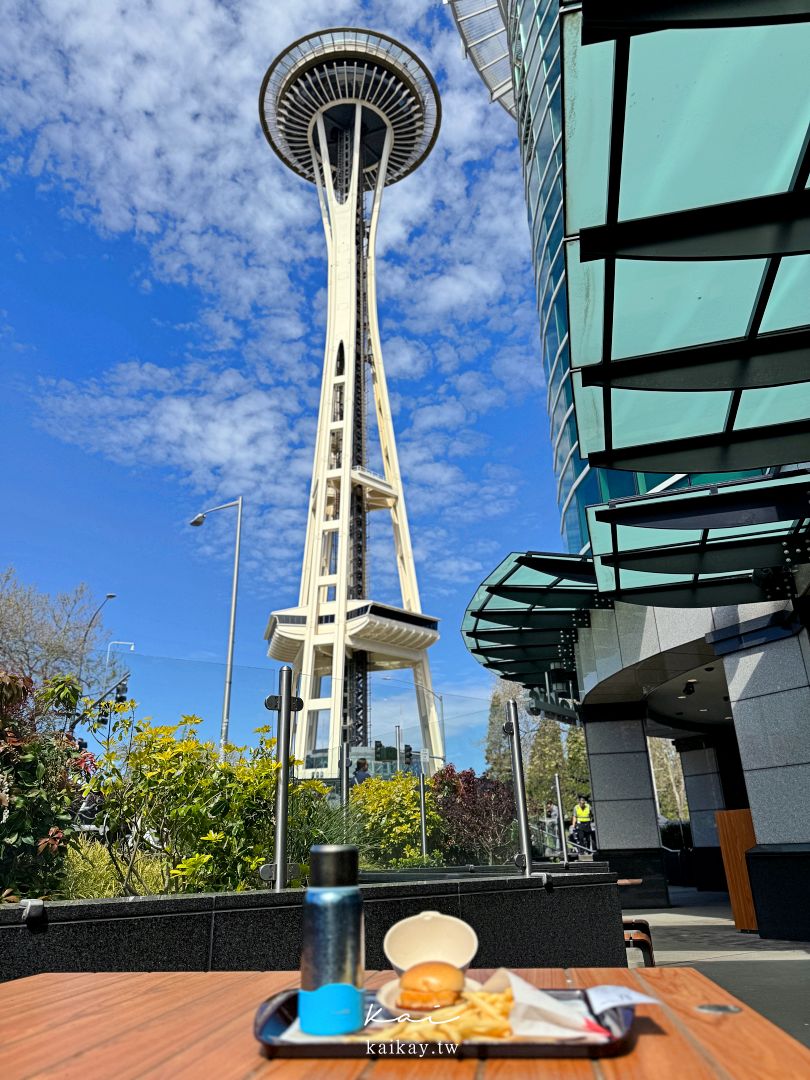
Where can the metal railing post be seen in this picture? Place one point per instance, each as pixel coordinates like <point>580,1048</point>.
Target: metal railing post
<point>561,820</point>
<point>344,772</point>
<point>422,814</point>
<point>511,729</point>
<point>283,782</point>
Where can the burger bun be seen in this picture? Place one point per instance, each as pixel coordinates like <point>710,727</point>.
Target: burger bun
<point>430,985</point>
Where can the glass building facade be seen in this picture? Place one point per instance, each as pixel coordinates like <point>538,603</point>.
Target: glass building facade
<point>671,264</point>
<point>516,47</point>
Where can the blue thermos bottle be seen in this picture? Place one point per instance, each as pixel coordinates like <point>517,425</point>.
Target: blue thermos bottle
<point>330,1001</point>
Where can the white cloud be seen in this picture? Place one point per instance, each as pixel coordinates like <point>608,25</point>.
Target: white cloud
<point>405,358</point>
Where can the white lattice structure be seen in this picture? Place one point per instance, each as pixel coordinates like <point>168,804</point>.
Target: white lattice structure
<point>351,111</point>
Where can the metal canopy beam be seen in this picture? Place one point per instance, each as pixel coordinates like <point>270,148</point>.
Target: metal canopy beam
<point>527,620</point>
<point>524,638</point>
<point>747,229</point>
<point>744,363</point>
<point>570,569</point>
<point>719,557</point>
<point>518,672</point>
<point>714,592</point>
<point>733,507</point>
<point>509,653</point>
<point>544,596</point>
<point>724,451</point>
<point>603,21</point>
<point>525,663</point>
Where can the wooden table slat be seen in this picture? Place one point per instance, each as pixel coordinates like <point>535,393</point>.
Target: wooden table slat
<point>746,1043</point>
<point>67,1006</point>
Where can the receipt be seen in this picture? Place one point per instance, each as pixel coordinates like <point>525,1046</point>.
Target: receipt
<point>601,998</point>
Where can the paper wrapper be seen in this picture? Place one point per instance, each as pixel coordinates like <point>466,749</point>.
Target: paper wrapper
<point>537,1016</point>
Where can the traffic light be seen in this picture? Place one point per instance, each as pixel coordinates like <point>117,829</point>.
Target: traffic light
<point>408,755</point>
<point>121,692</point>
<point>378,750</point>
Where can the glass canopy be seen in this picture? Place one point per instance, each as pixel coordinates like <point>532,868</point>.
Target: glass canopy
<point>482,26</point>
<point>687,223</point>
<point>720,543</point>
<point>523,620</point>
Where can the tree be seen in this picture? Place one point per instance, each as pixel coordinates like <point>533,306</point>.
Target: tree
<point>43,635</point>
<point>577,776</point>
<point>666,767</point>
<point>477,813</point>
<point>545,758</point>
<point>497,753</point>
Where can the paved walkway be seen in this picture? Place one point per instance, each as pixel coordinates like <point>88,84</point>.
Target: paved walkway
<point>698,931</point>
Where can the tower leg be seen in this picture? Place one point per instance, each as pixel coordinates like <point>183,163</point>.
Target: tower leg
<point>430,721</point>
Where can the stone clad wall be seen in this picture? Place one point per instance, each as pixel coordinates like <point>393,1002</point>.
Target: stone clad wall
<point>518,921</point>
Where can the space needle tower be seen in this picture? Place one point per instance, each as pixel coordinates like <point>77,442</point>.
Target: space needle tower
<point>351,111</point>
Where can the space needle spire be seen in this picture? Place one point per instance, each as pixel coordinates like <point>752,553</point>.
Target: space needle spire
<point>351,111</point>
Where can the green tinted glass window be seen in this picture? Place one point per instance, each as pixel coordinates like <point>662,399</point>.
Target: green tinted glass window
<point>707,121</point>
<point>587,81</point>
<point>647,416</point>
<point>590,417</point>
<point>774,405</point>
<point>586,301</point>
<point>669,305</point>
<point>789,304</point>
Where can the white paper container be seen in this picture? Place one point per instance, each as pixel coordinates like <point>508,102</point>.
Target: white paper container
<point>430,936</point>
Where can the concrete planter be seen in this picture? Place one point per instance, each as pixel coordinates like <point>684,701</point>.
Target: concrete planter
<point>573,920</point>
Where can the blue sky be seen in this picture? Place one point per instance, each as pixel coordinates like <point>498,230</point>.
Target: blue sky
<point>161,330</point>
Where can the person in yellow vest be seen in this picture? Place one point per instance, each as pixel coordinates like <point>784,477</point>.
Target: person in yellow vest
<point>582,823</point>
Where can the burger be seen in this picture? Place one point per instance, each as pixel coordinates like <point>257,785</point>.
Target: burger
<point>430,985</point>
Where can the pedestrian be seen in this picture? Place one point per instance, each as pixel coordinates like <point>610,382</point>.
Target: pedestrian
<point>582,823</point>
<point>361,772</point>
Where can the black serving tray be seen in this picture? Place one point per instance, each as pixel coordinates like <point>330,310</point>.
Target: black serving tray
<point>275,1015</point>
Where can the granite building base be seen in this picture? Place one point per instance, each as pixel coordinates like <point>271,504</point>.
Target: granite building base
<point>561,920</point>
<point>708,872</point>
<point>780,886</point>
<point>646,863</point>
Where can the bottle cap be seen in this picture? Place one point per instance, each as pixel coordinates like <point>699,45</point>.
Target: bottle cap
<point>333,864</point>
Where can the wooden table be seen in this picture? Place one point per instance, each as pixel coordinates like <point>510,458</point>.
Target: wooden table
<point>198,1025</point>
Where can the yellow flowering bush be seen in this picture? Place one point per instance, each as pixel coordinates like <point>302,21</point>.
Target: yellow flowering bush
<point>389,810</point>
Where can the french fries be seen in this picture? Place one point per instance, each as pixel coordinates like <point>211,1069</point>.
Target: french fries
<point>478,1015</point>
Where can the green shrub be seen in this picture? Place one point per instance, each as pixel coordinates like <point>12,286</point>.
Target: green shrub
<point>209,822</point>
<point>41,773</point>
<point>389,810</point>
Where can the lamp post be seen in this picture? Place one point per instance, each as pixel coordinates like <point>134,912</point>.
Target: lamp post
<point>90,621</point>
<point>226,701</point>
<point>83,649</point>
<point>437,697</point>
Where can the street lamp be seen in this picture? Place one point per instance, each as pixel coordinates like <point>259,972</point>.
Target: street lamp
<point>226,701</point>
<point>437,697</point>
<point>91,620</point>
<point>83,649</point>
